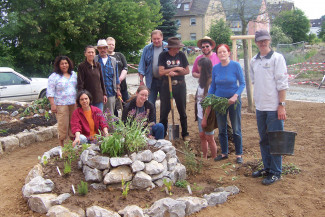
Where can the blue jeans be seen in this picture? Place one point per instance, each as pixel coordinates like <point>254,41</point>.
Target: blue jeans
<point>154,90</point>
<point>158,131</point>
<point>235,119</point>
<point>99,105</point>
<point>268,121</point>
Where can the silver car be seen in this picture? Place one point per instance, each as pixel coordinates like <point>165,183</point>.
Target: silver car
<point>14,86</point>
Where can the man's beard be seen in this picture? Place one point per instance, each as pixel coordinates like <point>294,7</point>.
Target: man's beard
<point>206,54</point>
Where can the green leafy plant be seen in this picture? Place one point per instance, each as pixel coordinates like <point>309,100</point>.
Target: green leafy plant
<point>84,147</point>
<point>125,188</point>
<point>45,161</point>
<point>196,187</point>
<point>290,169</point>
<point>70,152</point>
<point>47,116</point>
<point>168,185</point>
<point>83,188</point>
<point>112,145</point>
<point>67,167</point>
<point>219,104</point>
<point>234,178</point>
<point>193,166</point>
<point>3,131</point>
<point>10,107</point>
<point>181,183</point>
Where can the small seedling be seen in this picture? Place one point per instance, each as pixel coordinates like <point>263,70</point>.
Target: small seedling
<point>10,107</point>
<point>47,116</point>
<point>196,187</point>
<point>220,178</point>
<point>223,166</point>
<point>67,167</point>
<point>70,152</point>
<point>83,188</point>
<point>125,188</point>
<point>181,183</point>
<point>290,169</point>
<point>45,161</point>
<point>168,185</point>
<point>3,131</point>
<point>85,146</point>
<point>234,178</point>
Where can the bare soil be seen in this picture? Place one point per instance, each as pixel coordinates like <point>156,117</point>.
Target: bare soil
<point>300,194</point>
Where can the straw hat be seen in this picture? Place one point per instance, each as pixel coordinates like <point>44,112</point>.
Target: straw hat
<point>206,39</point>
<point>101,43</point>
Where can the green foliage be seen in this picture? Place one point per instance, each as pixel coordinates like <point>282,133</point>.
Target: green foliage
<point>112,145</point>
<point>45,161</point>
<point>168,185</point>
<point>3,131</point>
<point>47,115</point>
<point>191,58</point>
<point>193,166</point>
<point>220,32</point>
<point>69,152</point>
<point>67,167</point>
<point>10,107</point>
<point>312,39</point>
<point>181,183</point>
<point>85,147</point>
<point>321,33</point>
<point>125,188</point>
<point>168,26</point>
<point>218,104</point>
<point>290,169</point>
<point>190,43</point>
<point>278,36</point>
<point>294,24</point>
<point>83,188</point>
<point>33,33</point>
<point>42,103</point>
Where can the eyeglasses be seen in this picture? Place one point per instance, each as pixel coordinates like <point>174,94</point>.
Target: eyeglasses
<point>206,46</point>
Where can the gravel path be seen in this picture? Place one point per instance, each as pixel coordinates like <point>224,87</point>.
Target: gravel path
<point>296,92</point>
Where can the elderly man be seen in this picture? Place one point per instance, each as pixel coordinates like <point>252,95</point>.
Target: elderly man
<point>270,79</point>
<point>174,63</point>
<point>110,74</point>
<point>148,66</point>
<point>207,45</point>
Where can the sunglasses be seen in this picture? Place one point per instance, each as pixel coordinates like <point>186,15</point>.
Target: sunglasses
<point>206,46</point>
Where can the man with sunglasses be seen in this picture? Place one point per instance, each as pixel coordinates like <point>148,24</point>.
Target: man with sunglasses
<point>207,45</point>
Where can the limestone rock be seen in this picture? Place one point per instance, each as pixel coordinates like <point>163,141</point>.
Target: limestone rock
<point>116,175</point>
<point>98,162</point>
<point>98,186</point>
<point>61,211</point>
<point>120,161</point>
<point>167,207</point>
<point>40,203</point>
<point>232,190</point>
<point>153,167</point>
<point>161,175</point>
<point>44,134</point>
<point>172,163</point>
<point>144,156</point>
<point>15,113</point>
<point>216,198</point>
<point>137,166</point>
<point>193,204</point>
<point>159,156</point>
<point>168,148</point>
<point>26,139</point>
<point>178,174</point>
<point>141,180</point>
<point>60,199</point>
<point>163,143</point>
<point>92,175</point>
<point>9,143</point>
<point>96,211</point>
<point>131,211</point>
<point>151,142</point>
<point>36,171</point>
<point>37,185</point>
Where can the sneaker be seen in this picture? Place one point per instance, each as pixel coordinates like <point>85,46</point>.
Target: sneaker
<point>239,160</point>
<point>260,173</point>
<point>270,179</point>
<point>186,138</point>
<point>220,157</point>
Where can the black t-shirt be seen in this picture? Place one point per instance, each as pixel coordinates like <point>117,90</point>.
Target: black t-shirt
<point>121,64</point>
<point>168,61</point>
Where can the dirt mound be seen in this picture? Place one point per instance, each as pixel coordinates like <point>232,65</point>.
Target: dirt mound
<point>319,57</point>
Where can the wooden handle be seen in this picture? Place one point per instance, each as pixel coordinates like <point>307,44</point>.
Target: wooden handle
<point>170,92</point>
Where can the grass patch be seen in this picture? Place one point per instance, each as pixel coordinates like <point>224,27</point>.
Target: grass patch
<point>290,169</point>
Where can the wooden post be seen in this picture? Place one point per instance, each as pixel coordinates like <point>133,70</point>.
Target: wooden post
<point>234,50</point>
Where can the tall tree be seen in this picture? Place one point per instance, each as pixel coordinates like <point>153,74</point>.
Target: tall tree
<point>168,26</point>
<point>278,36</point>
<point>220,32</point>
<point>293,23</point>
<point>244,11</point>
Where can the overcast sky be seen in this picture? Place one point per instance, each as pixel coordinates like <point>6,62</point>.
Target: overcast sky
<point>313,9</point>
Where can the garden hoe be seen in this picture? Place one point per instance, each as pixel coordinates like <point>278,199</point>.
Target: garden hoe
<point>173,130</point>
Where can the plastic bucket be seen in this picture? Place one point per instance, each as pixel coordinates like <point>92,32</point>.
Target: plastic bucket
<point>282,142</point>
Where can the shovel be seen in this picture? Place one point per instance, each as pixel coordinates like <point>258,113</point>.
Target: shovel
<point>173,130</point>
<point>119,112</point>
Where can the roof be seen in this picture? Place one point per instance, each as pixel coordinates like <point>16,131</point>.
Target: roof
<point>252,8</point>
<point>197,7</point>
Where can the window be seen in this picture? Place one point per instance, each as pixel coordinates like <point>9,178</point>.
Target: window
<point>8,78</point>
<point>179,6</point>
<point>186,7</point>
<point>193,36</point>
<point>178,22</point>
<point>192,21</point>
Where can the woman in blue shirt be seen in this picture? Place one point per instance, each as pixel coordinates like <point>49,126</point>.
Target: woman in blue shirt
<point>225,78</point>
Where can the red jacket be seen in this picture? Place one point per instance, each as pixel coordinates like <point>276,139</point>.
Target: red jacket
<point>80,124</point>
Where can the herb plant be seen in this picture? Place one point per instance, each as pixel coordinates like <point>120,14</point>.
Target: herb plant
<point>70,152</point>
<point>181,183</point>
<point>168,186</point>
<point>83,188</point>
<point>219,104</point>
<point>67,167</point>
<point>125,188</point>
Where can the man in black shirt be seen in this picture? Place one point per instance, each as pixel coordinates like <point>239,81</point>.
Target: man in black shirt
<point>174,63</point>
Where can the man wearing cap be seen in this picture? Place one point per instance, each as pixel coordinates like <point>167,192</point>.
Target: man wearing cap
<point>270,79</point>
<point>174,63</point>
<point>148,66</point>
<point>110,74</point>
<point>207,45</point>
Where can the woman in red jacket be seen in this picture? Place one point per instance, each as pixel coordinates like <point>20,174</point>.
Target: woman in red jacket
<point>87,120</point>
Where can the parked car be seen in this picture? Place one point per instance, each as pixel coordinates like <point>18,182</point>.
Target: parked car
<point>17,87</point>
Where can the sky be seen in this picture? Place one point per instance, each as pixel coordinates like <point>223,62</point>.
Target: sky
<point>313,9</point>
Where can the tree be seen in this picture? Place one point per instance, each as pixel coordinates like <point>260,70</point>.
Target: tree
<point>245,11</point>
<point>37,31</point>
<point>168,26</point>
<point>294,24</point>
<point>321,33</point>
<point>278,36</point>
<point>220,32</point>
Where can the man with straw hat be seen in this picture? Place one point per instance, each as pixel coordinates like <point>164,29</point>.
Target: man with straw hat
<point>270,79</point>
<point>174,63</point>
<point>207,45</point>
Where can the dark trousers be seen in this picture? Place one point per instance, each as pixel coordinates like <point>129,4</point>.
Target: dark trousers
<point>179,94</point>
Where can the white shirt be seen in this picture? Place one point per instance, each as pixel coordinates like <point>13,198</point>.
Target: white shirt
<point>269,76</point>
<point>200,92</point>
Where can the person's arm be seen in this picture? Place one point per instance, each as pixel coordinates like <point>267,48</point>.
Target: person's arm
<point>124,68</point>
<point>142,65</point>
<point>241,79</point>
<point>76,140</point>
<point>205,116</point>
<point>195,70</point>
<point>50,92</point>
<point>81,78</point>
<point>282,115</point>
<point>53,106</point>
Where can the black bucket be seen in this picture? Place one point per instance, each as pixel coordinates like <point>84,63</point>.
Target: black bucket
<point>282,142</point>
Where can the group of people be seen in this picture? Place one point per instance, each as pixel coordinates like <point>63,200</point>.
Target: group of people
<point>101,80</point>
